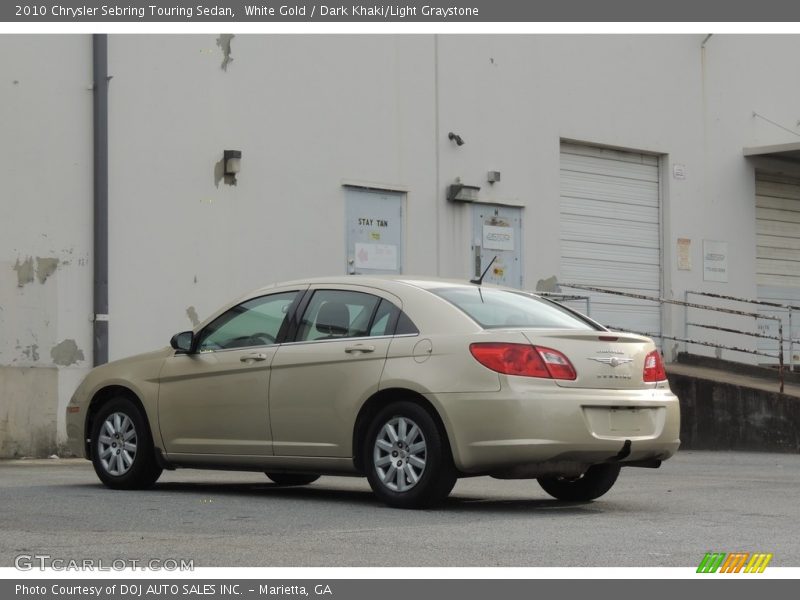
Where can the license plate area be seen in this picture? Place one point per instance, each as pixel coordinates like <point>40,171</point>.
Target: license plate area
<point>624,422</point>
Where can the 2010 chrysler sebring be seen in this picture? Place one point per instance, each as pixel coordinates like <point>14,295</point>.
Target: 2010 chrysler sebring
<point>409,382</point>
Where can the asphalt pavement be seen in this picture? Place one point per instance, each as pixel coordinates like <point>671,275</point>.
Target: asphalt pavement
<point>695,503</point>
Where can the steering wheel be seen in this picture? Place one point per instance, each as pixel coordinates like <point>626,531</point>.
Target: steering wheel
<point>263,335</point>
<point>254,339</point>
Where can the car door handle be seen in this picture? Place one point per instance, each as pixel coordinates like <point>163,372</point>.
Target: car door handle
<point>255,356</point>
<point>359,348</point>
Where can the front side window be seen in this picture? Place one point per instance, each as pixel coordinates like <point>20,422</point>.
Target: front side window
<point>252,323</point>
<point>496,309</point>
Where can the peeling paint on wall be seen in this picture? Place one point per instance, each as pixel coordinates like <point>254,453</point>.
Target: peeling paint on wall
<point>45,267</point>
<point>66,353</point>
<point>192,314</point>
<point>224,42</point>
<point>548,285</point>
<point>24,271</point>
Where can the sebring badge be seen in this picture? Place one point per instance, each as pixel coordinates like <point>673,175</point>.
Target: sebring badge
<point>613,361</point>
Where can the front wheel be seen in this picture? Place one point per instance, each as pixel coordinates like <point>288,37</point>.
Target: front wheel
<point>292,478</point>
<point>122,449</point>
<point>407,459</point>
<point>597,480</point>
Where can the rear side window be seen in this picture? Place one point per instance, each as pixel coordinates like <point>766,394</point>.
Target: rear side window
<point>384,321</point>
<point>337,314</point>
<point>390,320</point>
<point>496,309</point>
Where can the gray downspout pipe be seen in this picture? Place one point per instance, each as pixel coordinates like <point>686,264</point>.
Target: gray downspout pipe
<point>100,127</point>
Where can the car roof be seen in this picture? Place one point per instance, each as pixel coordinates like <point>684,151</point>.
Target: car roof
<point>383,281</point>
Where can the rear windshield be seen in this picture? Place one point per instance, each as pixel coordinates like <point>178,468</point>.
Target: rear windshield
<point>493,309</point>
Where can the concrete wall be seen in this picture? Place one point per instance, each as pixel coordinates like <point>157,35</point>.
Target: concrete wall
<point>720,415</point>
<point>45,235</point>
<point>311,113</point>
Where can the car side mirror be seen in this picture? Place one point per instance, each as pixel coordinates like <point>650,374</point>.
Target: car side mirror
<point>183,341</point>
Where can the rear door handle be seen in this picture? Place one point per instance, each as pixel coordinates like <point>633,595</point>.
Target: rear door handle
<point>359,348</point>
<point>255,356</point>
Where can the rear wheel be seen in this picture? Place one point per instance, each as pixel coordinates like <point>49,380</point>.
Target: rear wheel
<point>292,478</point>
<point>122,449</point>
<point>407,459</point>
<point>597,480</point>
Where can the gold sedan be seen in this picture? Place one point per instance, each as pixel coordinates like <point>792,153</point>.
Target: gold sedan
<point>409,382</point>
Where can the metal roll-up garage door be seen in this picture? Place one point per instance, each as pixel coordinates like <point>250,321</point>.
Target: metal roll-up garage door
<point>777,251</point>
<point>611,233</point>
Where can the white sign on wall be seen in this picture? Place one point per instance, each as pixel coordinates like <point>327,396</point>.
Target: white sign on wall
<point>498,238</point>
<point>382,257</point>
<point>715,261</point>
<point>684,254</point>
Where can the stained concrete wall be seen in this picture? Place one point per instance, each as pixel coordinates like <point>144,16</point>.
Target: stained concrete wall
<point>45,235</point>
<point>29,411</point>
<point>719,415</point>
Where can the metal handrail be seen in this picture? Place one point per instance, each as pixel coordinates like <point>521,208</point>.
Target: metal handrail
<point>789,307</point>
<point>696,342</point>
<point>566,298</point>
<point>687,305</point>
<point>747,300</point>
<point>660,300</point>
<point>730,330</point>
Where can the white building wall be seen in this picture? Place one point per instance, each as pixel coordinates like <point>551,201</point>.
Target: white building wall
<point>743,75</point>
<point>307,112</point>
<point>311,113</point>
<point>45,235</point>
<point>513,98</point>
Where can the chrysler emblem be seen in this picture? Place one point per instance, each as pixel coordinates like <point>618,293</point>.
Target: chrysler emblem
<point>612,361</point>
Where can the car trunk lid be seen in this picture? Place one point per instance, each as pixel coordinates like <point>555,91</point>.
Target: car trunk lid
<point>602,359</point>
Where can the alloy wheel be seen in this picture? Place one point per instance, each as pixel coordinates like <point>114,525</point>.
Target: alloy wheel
<point>117,444</point>
<point>400,454</point>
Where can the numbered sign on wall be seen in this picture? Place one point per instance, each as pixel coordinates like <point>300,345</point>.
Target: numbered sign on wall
<point>497,232</point>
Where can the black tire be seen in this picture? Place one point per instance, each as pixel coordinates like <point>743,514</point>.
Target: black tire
<point>142,471</point>
<point>292,478</point>
<point>435,479</point>
<point>597,480</point>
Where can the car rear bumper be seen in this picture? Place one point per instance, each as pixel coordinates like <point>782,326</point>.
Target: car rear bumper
<point>536,427</point>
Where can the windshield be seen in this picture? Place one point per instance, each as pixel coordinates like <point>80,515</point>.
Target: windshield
<point>493,309</point>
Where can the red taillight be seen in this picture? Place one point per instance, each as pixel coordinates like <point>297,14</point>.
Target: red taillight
<point>654,368</point>
<point>523,359</point>
<point>558,364</point>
